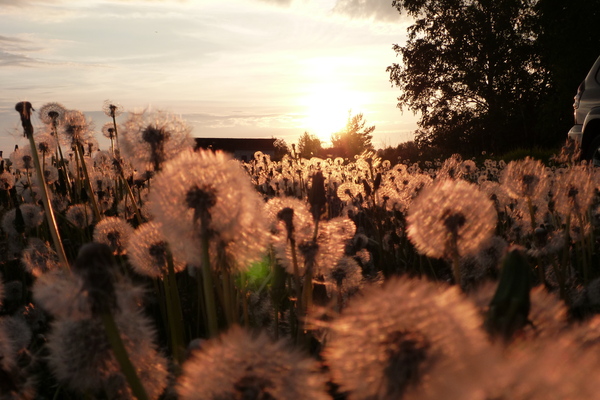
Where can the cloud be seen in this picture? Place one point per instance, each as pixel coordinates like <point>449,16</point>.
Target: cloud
<point>378,10</point>
<point>16,44</point>
<point>284,3</point>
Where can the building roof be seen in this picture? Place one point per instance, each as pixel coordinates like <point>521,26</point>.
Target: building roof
<point>236,144</point>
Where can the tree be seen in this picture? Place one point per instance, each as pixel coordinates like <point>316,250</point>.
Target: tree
<point>309,145</point>
<point>569,43</point>
<point>281,149</point>
<point>473,71</point>
<point>355,137</point>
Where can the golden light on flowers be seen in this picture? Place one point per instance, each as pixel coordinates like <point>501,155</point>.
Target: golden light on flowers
<point>574,191</point>
<point>525,178</point>
<point>410,339</point>
<point>449,211</point>
<point>208,193</point>
<point>243,365</point>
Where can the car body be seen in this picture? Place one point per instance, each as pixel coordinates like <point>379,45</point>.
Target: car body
<point>586,130</point>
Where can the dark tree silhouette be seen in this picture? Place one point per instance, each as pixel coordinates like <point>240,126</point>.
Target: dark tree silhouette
<point>483,74</point>
<point>309,146</point>
<point>354,138</point>
<point>281,148</point>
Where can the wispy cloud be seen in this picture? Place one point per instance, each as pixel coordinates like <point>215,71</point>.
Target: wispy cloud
<point>378,10</point>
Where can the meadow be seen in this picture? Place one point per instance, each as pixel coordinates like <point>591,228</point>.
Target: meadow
<point>154,270</point>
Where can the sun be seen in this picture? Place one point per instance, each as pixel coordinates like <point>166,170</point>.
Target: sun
<point>327,107</point>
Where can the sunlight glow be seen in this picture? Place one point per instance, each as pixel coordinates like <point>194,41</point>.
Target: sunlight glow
<point>327,108</point>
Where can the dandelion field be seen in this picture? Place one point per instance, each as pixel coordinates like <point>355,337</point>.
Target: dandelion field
<point>154,270</point>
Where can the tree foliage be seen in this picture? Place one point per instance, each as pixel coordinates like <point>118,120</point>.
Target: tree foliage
<point>281,148</point>
<point>355,138</point>
<point>309,145</point>
<point>480,73</point>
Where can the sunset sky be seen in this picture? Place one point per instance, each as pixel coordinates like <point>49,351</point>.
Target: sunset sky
<point>235,68</point>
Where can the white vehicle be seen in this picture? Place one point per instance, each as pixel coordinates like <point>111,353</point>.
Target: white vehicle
<point>586,131</point>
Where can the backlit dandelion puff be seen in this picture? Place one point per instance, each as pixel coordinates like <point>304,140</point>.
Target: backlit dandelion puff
<point>76,128</point>
<point>451,219</point>
<point>150,139</point>
<point>207,194</point>
<point>22,159</point>
<point>332,238</point>
<point>292,225</point>
<point>525,179</point>
<point>29,190</point>
<point>344,280</point>
<point>80,215</point>
<point>81,356</point>
<point>52,113</point>
<point>46,144</point>
<point>50,175</point>
<point>7,180</point>
<point>39,258</point>
<point>31,216</point>
<point>113,232</point>
<point>555,369</point>
<point>452,168</point>
<point>80,349</point>
<point>112,109</point>
<point>241,365</point>
<point>147,251</point>
<point>349,192</point>
<point>573,192</point>
<point>409,339</point>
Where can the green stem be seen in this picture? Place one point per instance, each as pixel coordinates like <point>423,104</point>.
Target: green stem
<point>120,352</point>
<point>208,289</point>
<point>88,183</point>
<point>62,257</point>
<point>175,313</point>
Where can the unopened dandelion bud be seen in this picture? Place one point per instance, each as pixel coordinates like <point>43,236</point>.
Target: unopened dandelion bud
<point>377,182</point>
<point>286,215</point>
<point>316,196</point>
<point>95,265</point>
<point>367,187</point>
<point>24,108</point>
<point>509,309</point>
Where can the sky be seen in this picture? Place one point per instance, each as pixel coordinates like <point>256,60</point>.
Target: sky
<point>235,68</point>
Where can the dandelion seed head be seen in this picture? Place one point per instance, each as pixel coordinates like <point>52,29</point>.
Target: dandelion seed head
<point>345,278</point>
<point>451,168</point>
<point>242,365</point>
<point>112,109</point>
<point>113,232</point>
<point>147,251</point>
<point>52,113</point>
<point>409,337</point>
<point>525,178</point>
<point>22,158</point>
<point>46,143</point>
<point>207,193</point>
<point>108,130</point>
<point>38,257</point>
<point>289,218</point>
<point>76,128</point>
<point>80,215</point>
<point>81,356</point>
<point>574,191</point>
<point>451,209</point>
<point>7,180</point>
<point>32,217</point>
<point>149,140</point>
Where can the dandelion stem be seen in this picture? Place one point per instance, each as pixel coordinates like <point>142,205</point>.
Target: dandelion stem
<point>208,289</point>
<point>48,205</point>
<point>122,357</point>
<point>88,183</point>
